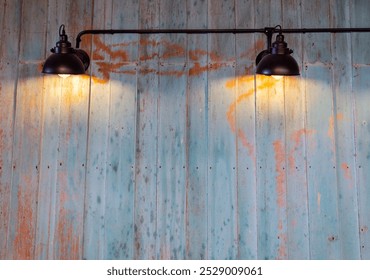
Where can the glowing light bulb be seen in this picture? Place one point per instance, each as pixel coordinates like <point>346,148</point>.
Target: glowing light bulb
<point>277,77</point>
<point>63,75</point>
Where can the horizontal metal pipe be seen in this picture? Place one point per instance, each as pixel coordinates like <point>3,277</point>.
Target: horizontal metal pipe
<point>217,31</point>
<point>324,30</point>
<point>165,31</point>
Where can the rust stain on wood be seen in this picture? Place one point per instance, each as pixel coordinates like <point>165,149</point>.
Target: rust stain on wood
<point>338,117</point>
<point>196,55</point>
<point>283,239</point>
<point>172,50</point>
<point>69,243</point>
<point>102,49</point>
<point>346,171</point>
<point>280,173</point>
<point>67,237</point>
<point>106,68</point>
<point>24,239</point>
<point>230,114</point>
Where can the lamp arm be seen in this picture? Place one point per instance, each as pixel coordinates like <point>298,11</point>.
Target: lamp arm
<point>165,31</point>
<point>269,31</point>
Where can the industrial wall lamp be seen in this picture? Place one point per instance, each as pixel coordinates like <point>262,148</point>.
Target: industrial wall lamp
<point>276,60</point>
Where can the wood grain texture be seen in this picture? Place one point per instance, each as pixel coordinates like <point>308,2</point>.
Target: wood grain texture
<point>341,133</point>
<point>146,155</point>
<point>170,147</point>
<point>241,117</point>
<point>197,133</point>
<point>222,192</point>
<point>97,144</point>
<point>171,174</point>
<point>360,85</point>
<point>296,134</point>
<point>9,49</point>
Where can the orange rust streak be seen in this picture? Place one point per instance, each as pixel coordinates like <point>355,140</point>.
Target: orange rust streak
<point>97,80</point>
<point>68,241</point>
<point>124,44</point>
<point>146,71</point>
<point>196,54</point>
<point>106,68</point>
<point>149,57</point>
<point>282,251</point>
<point>23,242</point>
<point>239,81</point>
<point>215,57</point>
<point>173,50</point>
<point>176,73</point>
<point>280,177</point>
<point>232,108</point>
<point>283,238</point>
<point>101,47</point>
<point>197,69</point>
<point>346,170</point>
<point>245,142</point>
<point>149,42</point>
<point>339,117</point>
<point>232,122</point>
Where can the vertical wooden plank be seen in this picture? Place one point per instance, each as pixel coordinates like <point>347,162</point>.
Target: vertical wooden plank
<point>27,136</point>
<point>145,214</point>
<point>197,122</point>
<point>271,166</point>
<point>242,111</point>
<point>119,225</point>
<point>271,155</point>
<point>322,181</point>
<point>119,221</point>
<point>97,142</point>
<point>52,94</point>
<point>321,174</point>
<point>171,164</point>
<point>222,224</point>
<point>362,130</point>
<point>23,203</point>
<point>222,191</point>
<point>9,52</point>
<point>341,133</point>
<point>71,172</point>
<point>296,134</point>
<point>70,189</point>
<point>48,167</point>
<point>171,135</point>
<point>361,72</point>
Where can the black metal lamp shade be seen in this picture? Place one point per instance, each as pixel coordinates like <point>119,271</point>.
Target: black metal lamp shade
<point>65,59</point>
<point>277,61</point>
<point>63,63</point>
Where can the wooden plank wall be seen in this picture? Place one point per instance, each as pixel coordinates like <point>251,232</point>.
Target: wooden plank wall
<point>170,147</point>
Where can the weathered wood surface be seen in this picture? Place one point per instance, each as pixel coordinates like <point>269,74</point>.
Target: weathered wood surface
<point>170,147</point>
